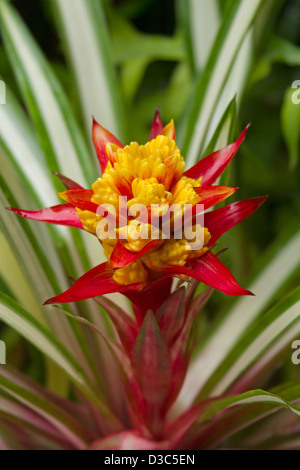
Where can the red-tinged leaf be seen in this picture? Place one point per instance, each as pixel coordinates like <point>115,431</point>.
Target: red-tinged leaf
<point>157,125</point>
<point>122,257</point>
<point>128,440</point>
<point>67,182</point>
<point>26,382</point>
<point>150,298</point>
<point>126,327</point>
<point>212,272</point>
<point>63,214</point>
<point>180,427</point>
<point>102,137</point>
<point>211,167</point>
<point>80,198</point>
<point>182,349</point>
<point>169,131</point>
<point>212,195</point>
<point>170,316</point>
<point>221,220</point>
<point>151,362</point>
<point>97,281</point>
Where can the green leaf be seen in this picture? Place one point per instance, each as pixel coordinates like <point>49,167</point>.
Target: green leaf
<point>236,23</point>
<point>225,130</point>
<point>65,424</point>
<point>290,123</point>
<point>18,318</point>
<point>59,134</point>
<point>269,331</point>
<point>91,60</point>
<point>281,50</point>
<point>204,18</point>
<point>223,417</point>
<point>130,44</point>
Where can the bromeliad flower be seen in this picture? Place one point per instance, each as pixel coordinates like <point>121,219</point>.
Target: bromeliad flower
<point>142,258</point>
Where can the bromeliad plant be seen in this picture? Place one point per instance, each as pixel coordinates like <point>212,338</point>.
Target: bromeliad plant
<point>113,378</point>
<point>154,348</point>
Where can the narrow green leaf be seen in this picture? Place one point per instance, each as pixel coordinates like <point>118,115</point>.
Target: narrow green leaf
<point>60,136</point>
<point>92,64</point>
<point>236,23</point>
<point>19,319</point>
<point>58,417</point>
<point>224,131</point>
<point>204,24</point>
<point>280,266</point>
<point>290,123</point>
<point>269,329</point>
<point>233,419</point>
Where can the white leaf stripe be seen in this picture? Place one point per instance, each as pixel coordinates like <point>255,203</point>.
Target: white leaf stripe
<point>27,156</point>
<point>219,66</point>
<point>16,317</point>
<point>261,342</point>
<point>20,320</point>
<point>90,59</point>
<point>65,424</point>
<point>255,396</point>
<point>42,90</point>
<point>205,22</point>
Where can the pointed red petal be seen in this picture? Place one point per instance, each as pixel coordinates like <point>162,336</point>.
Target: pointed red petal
<point>67,182</point>
<point>211,167</point>
<point>169,130</point>
<point>212,195</point>
<point>157,125</point>
<point>221,220</point>
<point>184,423</point>
<point>211,271</point>
<point>98,281</point>
<point>63,214</point>
<point>126,327</point>
<point>122,257</point>
<point>102,137</point>
<point>80,198</point>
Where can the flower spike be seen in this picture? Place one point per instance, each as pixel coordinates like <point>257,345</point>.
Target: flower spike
<point>153,174</point>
